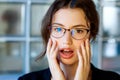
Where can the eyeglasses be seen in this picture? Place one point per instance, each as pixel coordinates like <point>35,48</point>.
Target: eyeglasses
<point>76,32</point>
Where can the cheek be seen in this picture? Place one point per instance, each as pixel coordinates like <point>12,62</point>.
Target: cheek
<point>57,40</point>
<point>77,44</point>
<point>53,39</point>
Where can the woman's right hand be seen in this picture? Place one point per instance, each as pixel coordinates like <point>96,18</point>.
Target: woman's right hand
<point>52,51</point>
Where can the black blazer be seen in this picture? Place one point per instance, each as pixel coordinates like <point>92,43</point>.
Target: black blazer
<point>97,74</point>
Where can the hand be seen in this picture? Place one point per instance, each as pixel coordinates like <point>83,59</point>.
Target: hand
<point>84,57</point>
<point>52,51</point>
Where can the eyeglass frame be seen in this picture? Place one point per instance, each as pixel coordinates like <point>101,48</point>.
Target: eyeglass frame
<point>50,28</point>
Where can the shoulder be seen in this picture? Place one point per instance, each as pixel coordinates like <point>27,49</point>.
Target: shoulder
<point>98,74</point>
<point>37,75</point>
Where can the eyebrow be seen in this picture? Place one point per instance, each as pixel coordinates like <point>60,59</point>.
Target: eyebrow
<point>79,25</point>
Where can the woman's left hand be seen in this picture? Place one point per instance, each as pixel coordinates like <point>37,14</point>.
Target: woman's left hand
<point>84,57</point>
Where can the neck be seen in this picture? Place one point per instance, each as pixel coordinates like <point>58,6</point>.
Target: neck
<point>69,70</point>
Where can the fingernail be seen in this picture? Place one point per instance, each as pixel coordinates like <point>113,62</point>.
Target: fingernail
<point>49,39</point>
<point>87,40</point>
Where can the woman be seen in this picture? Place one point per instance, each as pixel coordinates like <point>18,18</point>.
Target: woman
<point>67,29</point>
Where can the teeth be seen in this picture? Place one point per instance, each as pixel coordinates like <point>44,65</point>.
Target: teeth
<point>66,51</point>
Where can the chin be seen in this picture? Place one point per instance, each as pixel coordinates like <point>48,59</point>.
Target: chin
<point>69,62</point>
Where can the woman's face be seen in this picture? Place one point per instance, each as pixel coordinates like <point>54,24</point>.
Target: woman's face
<point>69,19</point>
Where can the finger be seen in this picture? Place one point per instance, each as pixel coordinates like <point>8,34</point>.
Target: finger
<point>56,49</point>
<point>83,49</point>
<point>49,45</point>
<point>53,45</point>
<point>52,51</point>
<point>80,56</point>
<point>88,50</point>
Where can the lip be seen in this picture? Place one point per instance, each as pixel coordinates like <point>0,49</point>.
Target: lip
<point>66,55</point>
<point>66,49</point>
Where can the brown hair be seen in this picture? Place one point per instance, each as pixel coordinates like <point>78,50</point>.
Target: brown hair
<point>88,8</point>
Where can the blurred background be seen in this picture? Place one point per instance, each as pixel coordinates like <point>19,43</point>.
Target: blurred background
<point>21,43</point>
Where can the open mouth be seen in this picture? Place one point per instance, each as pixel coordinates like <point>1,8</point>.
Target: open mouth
<point>66,53</point>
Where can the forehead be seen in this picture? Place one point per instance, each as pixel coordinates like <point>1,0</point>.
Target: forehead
<point>69,17</point>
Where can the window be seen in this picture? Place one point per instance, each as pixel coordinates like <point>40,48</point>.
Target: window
<point>21,43</point>
<point>11,19</point>
<point>111,36</point>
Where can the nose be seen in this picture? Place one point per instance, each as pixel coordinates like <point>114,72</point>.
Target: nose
<point>67,38</point>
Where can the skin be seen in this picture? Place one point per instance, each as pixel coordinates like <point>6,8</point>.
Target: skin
<point>78,66</point>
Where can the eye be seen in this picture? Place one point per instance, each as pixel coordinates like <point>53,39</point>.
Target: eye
<point>79,31</point>
<point>57,29</point>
